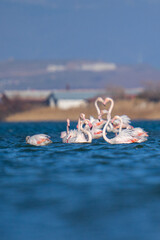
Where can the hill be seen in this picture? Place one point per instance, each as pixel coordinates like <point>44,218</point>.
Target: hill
<point>73,74</point>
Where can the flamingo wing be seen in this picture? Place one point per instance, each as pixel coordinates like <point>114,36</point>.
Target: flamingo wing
<point>125,119</point>
<point>40,139</point>
<point>63,134</point>
<point>129,136</point>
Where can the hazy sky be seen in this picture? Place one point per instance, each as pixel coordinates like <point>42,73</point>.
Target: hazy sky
<point>121,31</point>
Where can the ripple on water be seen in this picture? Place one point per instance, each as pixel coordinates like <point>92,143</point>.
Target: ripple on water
<point>78,191</point>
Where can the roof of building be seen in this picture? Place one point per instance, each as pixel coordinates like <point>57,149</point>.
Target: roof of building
<point>58,94</point>
<point>72,94</point>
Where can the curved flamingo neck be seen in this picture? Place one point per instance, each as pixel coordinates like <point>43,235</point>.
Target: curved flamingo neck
<point>79,124</point>
<point>121,123</point>
<point>110,108</point>
<point>97,108</point>
<point>86,132</point>
<point>104,132</point>
<point>68,125</point>
<point>67,129</point>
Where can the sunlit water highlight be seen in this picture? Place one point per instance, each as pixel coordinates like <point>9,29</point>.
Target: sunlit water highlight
<point>78,191</point>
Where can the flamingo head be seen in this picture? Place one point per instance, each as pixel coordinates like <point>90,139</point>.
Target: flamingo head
<point>27,139</point>
<point>90,125</point>
<point>115,118</point>
<point>108,99</point>
<point>116,123</point>
<point>99,99</point>
<point>82,116</point>
<point>87,122</point>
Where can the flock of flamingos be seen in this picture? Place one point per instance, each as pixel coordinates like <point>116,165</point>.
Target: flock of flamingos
<point>88,129</point>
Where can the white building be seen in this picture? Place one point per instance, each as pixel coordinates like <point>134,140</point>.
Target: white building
<point>63,99</point>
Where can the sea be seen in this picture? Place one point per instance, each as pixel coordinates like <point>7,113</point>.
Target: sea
<point>93,191</point>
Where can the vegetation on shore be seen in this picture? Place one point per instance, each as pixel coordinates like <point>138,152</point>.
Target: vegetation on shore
<point>135,108</point>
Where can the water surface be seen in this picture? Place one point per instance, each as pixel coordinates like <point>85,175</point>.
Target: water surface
<point>78,191</point>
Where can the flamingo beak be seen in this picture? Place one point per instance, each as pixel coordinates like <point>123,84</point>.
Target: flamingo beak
<point>90,125</point>
<point>99,117</point>
<point>105,101</point>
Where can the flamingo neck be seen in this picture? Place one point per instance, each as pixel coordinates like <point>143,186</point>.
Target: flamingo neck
<point>104,132</point>
<point>121,123</point>
<point>86,132</point>
<point>89,135</point>
<point>110,108</point>
<point>67,128</point>
<point>97,108</point>
<point>79,124</point>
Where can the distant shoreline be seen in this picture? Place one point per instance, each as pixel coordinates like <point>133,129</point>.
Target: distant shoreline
<point>136,109</point>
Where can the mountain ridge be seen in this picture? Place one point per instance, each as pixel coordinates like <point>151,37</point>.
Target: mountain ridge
<point>61,74</point>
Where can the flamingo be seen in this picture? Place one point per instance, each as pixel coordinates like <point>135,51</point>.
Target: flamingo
<point>78,136</point>
<point>95,129</point>
<point>126,123</point>
<point>98,123</point>
<point>124,136</point>
<point>136,132</point>
<point>71,133</point>
<point>95,132</point>
<point>116,124</point>
<point>38,140</point>
<point>68,133</point>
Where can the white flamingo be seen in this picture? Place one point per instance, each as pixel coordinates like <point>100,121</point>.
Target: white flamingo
<point>68,133</point>
<point>126,122</point>
<point>38,140</point>
<point>78,136</point>
<point>115,122</point>
<point>98,123</point>
<point>95,132</point>
<point>136,132</point>
<point>124,136</point>
<point>72,133</point>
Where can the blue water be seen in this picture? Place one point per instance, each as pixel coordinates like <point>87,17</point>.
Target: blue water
<point>78,191</point>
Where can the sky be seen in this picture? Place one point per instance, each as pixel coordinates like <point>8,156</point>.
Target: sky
<point>120,31</point>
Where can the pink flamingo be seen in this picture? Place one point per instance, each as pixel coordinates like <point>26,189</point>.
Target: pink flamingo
<point>69,133</point>
<point>115,122</point>
<point>136,132</point>
<point>126,122</point>
<point>95,132</point>
<point>78,136</point>
<point>72,133</point>
<point>38,140</point>
<point>98,123</point>
<point>125,136</point>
